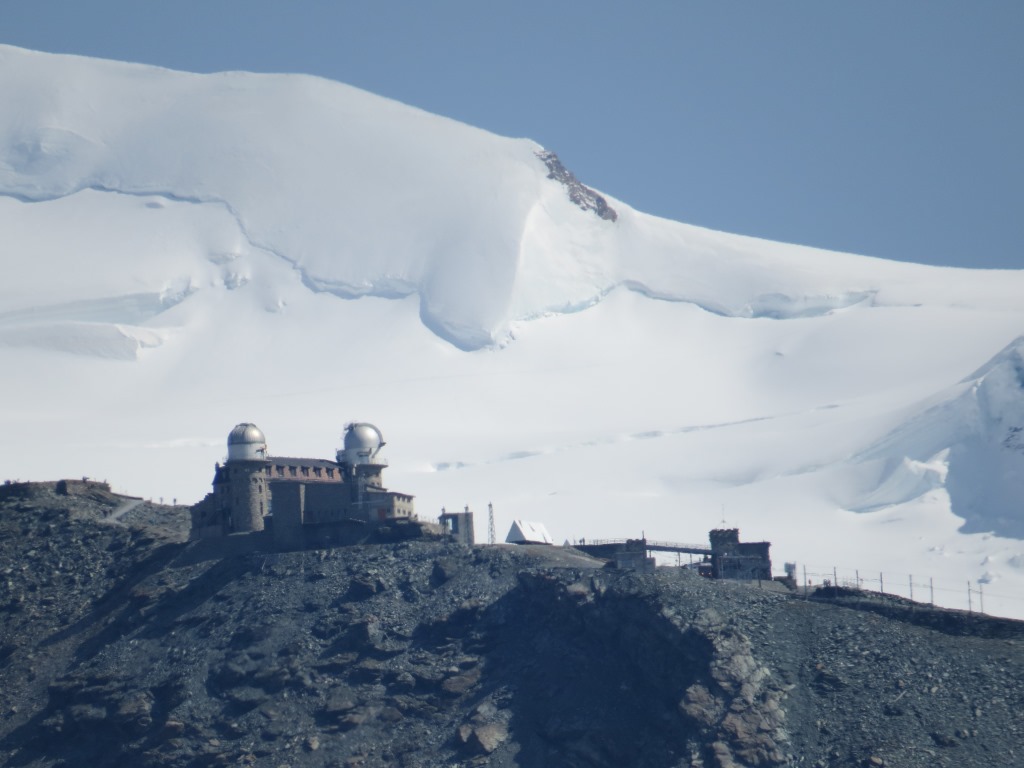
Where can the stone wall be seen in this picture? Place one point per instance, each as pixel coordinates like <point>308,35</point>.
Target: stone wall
<point>249,496</point>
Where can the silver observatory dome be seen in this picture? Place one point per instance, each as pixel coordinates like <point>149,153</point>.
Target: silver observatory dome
<point>246,442</point>
<point>362,443</point>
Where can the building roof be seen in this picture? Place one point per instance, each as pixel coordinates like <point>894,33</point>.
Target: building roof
<point>363,437</point>
<point>246,433</point>
<point>525,532</point>
<point>289,461</point>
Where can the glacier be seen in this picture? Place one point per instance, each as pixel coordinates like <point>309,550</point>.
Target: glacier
<point>184,252</point>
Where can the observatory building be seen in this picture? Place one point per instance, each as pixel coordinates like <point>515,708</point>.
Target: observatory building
<point>296,497</point>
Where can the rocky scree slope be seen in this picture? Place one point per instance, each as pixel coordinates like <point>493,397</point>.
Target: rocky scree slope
<point>122,645</point>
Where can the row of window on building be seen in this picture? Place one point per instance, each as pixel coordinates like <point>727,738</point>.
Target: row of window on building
<point>279,470</point>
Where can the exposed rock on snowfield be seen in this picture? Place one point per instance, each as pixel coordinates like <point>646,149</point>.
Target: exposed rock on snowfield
<point>121,645</point>
<point>582,195</point>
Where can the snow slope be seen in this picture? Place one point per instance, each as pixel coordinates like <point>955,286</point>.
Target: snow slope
<point>183,252</point>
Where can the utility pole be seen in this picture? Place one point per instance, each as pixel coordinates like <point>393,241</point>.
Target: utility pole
<point>491,537</point>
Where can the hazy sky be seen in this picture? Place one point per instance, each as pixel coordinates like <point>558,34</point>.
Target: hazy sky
<point>893,129</point>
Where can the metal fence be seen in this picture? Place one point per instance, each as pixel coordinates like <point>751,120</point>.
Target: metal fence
<point>926,590</point>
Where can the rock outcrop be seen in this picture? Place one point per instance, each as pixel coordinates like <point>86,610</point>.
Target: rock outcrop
<point>122,646</point>
<point>579,193</point>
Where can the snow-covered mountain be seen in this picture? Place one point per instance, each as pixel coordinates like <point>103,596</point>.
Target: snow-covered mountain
<point>183,252</point>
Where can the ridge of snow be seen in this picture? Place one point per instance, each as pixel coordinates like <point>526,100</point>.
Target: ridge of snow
<point>366,196</point>
<point>974,436</point>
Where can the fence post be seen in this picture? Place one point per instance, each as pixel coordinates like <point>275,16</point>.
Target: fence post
<point>911,587</point>
<point>805,582</point>
<point>970,608</point>
<point>931,591</point>
<point>835,581</point>
<point>857,572</point>
<point>881,581</point>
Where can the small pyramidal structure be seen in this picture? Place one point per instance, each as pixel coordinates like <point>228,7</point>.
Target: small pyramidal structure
<point>525,532</point>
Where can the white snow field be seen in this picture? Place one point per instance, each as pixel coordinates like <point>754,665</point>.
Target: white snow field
<point>184,252</point>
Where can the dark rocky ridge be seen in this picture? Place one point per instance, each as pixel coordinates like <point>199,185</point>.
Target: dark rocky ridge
<point>122,645</point>
<point>579,193</point>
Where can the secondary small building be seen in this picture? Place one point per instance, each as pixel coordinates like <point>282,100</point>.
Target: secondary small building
<point>734,559</point>
<point>525,532</point>
<point>458,525</point>
<point>725,556</point>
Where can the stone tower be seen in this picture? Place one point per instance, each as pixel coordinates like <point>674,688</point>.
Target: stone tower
<point>360,462</point>
<point>246,484</point>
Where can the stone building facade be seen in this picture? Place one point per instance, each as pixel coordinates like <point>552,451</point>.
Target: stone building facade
<point>726,557</point>
<point>293,497</point>
<point>458,525</point>
<point>735,559</point>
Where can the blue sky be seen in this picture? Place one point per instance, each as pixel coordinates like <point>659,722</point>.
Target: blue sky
<point>893,129</point>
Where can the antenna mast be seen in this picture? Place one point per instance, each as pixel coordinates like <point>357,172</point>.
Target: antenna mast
<point>491,538</point>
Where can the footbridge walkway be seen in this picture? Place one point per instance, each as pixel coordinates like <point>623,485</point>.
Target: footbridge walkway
<point>651,546</point>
